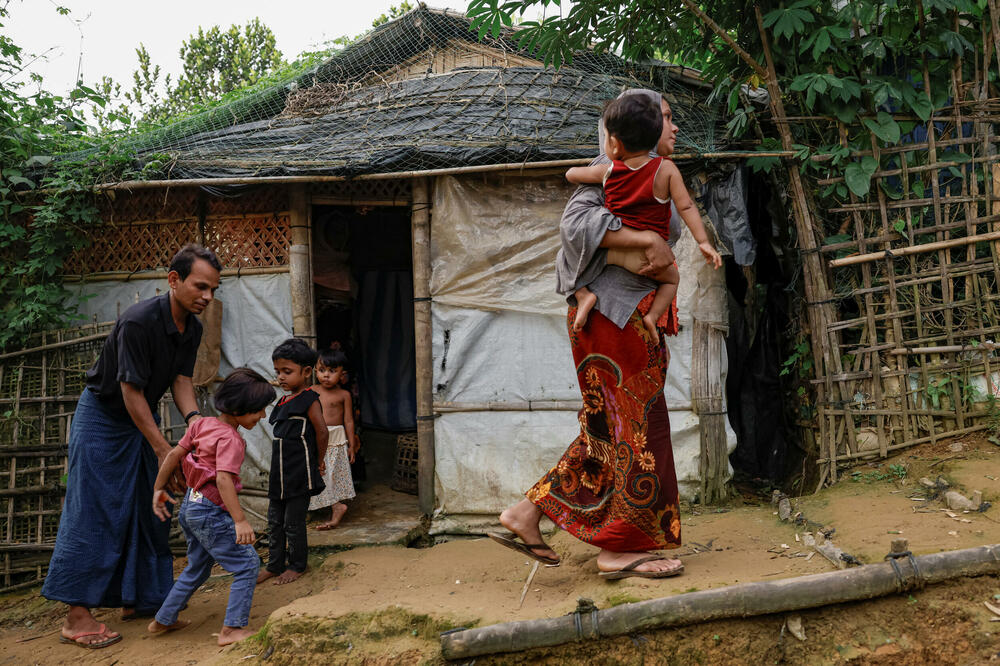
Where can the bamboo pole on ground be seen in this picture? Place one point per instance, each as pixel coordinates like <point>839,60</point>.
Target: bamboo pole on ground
<point>745,600</point>
<point>300,271</point>
<point>422,333</point>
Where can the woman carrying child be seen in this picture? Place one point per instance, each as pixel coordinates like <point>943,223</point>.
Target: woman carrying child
<point>615,487</point>
<point>211,454</point>
<point>338,413</point>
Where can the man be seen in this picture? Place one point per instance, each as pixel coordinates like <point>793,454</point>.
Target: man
<point>110,550</point>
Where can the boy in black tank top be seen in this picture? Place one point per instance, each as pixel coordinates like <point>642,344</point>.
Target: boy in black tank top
<point>297,453</point>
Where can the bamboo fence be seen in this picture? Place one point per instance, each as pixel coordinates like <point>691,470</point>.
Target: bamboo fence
<point>907,356</point>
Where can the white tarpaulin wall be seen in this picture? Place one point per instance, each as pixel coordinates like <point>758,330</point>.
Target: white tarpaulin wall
<point>500,337</point>
<point>256,317</point>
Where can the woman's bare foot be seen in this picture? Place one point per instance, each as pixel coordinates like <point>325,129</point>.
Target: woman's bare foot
<point>585,302</point>
<point>337,512</point>
<point>289,576</point>
<point>522,519</point>
<point>80,621</point>
<point>608,560</point>
<point>230,635</point>
<point>650,325</point>
<point>157,628</point>
<point>264,575</point>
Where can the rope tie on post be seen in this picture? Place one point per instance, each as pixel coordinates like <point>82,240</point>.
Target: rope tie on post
<point>900,550</point>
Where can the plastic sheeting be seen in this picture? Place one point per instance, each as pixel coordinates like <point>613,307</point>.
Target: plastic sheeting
<point>256,316</point>
<point>499,336</point>
<point>725,203</point>
<point>494,241</point>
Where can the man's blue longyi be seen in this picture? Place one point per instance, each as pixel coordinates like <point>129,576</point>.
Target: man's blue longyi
<point>111,550</point>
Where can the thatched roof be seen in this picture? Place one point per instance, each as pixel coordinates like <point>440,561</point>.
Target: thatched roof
<point>422,93</point>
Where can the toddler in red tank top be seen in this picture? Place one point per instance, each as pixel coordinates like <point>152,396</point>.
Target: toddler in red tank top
<point>638,189</point>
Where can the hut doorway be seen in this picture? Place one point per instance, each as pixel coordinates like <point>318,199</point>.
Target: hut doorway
<point>363,285</point>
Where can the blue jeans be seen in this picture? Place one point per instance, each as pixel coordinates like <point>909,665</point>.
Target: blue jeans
<point>211,538</point>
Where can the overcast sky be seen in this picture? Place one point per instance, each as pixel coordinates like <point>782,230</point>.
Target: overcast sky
<point>107,32</point>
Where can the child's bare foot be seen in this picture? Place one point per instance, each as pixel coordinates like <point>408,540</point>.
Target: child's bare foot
<point>650,325</point>
<point>289,576</point>
<point>230,635</point>
<point>338,511</point>
<point>157,628</point>
<point>585,302</point>
<point>264,575</point>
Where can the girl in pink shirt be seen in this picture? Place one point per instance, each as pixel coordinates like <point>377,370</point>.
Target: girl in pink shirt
<point>211,454</point>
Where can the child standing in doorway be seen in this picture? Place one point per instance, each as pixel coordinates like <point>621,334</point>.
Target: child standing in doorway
<point>297,453</point>
<point>211,454</point>
<point>638,189</point>
<point>339,414</point>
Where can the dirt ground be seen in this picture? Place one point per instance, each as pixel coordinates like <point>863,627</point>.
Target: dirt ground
<point>388,604</point>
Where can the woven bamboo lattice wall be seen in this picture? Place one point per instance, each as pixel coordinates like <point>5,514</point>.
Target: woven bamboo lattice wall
<point>914,268</point>
<point>38,392</point>
<point>143,230</point>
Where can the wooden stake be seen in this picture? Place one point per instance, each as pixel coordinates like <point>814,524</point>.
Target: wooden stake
<point>301,265</point>
<point>524,590</point>
<point>420,225</point>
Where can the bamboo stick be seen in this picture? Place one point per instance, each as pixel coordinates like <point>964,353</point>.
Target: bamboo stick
<point>485,168</point>
<point>915,249</point>
<point>420,224</point>
<point>161,274</point>
<point>300,263</point>
<point>744,600</point>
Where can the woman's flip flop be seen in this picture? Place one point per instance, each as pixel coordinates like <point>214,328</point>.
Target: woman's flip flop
<point>510,541</point>
<point>629,570</point>
<point>74,639</point>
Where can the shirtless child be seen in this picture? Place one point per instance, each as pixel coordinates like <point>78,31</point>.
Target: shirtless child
<point>339,415</point>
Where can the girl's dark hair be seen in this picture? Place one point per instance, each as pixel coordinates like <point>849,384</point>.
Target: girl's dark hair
<point>333,358</point>
<point>635,120</point>
<point>244,391</point>
<point>296,351</point>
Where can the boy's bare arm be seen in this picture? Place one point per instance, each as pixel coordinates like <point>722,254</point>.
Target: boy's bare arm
<point>319,425</point>
<point>588,175</point>
<point>227,489</point>
<point>689,213</point>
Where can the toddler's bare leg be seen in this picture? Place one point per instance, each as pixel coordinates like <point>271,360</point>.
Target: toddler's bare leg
<point>585,302</point>
<point>665,294</point>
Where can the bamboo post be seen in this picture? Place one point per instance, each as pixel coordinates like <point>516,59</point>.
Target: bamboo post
<point>422,333</point>
<point>299,265</point>
<point>706,401</point>
<point>819,311</point>
<point>744,600</point>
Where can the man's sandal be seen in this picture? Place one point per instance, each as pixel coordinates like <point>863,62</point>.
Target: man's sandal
<point>528,549</point>
<point>75,639</point>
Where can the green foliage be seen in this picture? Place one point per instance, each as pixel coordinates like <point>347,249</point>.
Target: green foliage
<point>801,357</point>
<point>895,472</point>
<point>46,204</point>
<point>859,62</point>
<point>216,62</point>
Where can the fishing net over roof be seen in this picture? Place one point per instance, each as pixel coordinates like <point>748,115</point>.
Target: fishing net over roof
<point>420,93</point>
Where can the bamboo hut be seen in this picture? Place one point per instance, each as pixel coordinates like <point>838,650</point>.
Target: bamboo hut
<point>403,198</point>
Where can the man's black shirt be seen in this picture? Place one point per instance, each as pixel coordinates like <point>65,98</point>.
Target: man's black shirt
<point>145,349</point>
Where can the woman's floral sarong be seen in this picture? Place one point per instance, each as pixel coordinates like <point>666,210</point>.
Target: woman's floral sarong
<point>615,486</point>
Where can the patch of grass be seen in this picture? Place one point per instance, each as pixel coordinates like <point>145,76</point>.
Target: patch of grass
<point>894,472</point>
<point>263,637</point>
<point>691,589</point>
<point>619,598</point>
